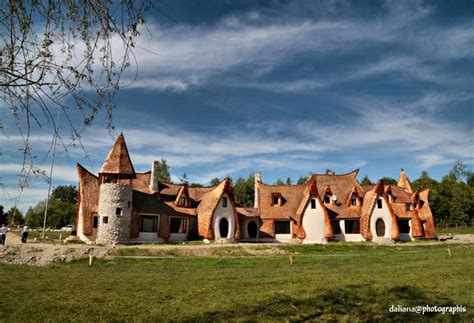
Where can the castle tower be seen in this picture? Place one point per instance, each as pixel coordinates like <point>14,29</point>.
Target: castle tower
<point>116,195</point>
<point>403,182</point>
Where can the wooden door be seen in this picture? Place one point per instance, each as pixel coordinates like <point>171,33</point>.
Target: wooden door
<point>380,228</point>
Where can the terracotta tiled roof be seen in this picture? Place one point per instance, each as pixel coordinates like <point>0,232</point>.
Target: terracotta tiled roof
<point>403,182</point>
<point>118,160</point>
<point>291,195</point>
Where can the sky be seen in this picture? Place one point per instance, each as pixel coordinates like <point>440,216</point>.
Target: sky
<point>227,88</point>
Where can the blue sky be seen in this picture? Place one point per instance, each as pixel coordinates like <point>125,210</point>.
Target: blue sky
<point>285,88</point>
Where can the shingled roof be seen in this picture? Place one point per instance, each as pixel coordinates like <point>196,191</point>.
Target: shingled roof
<point>291,194</point>
<point>340,185</point>
<point>118,160</point>
<point>403,182</point>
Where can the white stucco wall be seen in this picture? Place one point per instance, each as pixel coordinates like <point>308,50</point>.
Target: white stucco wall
<point>284,237</point>
<point>351,237</point>
<point>244,233</point>
<point>314,224</point>
<point>383,214</point>
<point>224,212</point>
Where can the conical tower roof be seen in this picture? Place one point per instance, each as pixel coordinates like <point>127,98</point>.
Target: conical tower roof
<point>403,182</point>
<point>118,160</point>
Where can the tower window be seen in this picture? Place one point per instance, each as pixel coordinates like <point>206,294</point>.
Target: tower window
<point>224,201</point>
<point>129,204</point>
<point>379,203</point>
<point>118,211</point>
<point>313,203</point>
<point>105,219</point>
<point>95,224</point>
<point>388,196</point>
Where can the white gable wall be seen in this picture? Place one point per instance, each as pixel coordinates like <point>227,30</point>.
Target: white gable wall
<point>224,212</point>
<point>383,214</point>
<point>313,223</point>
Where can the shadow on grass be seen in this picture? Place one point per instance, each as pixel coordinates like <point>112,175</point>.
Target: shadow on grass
<point>355,302</point>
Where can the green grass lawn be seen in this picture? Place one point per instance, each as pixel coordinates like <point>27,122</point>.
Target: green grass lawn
<point>330,282</point>
<point>455,230</point>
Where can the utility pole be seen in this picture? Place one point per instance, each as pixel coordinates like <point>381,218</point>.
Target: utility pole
<point>56,133</point>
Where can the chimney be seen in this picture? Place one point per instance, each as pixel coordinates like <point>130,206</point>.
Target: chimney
<point>153,179</point>
<point>258,178</point>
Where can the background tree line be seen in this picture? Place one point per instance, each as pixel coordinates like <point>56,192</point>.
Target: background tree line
<point>451,199</point>
<point>62,208</point>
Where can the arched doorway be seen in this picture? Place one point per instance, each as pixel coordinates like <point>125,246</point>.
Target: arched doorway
<point>224,228</point>
<point>380,228</point>
<point>252,229</point>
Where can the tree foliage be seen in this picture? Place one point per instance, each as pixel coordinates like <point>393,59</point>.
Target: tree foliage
<point>301,180</point>
<point>215,181</point>
<point>162,171</point>
<point>244,191</point>
<point>389,181</point>
<point>452,199</point>
<point>65,193</point>
<point>62,209</point>
<point>366,181</point>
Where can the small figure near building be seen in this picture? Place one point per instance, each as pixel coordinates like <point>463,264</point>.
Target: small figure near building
<point>24,233</point>
<point>3,234</point>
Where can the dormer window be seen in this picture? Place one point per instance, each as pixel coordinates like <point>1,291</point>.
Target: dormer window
<point>407,206</point>
<point>276,199</point>
<point>224,201</point>
<point>379,203</point>
<point>389,198</point>
<point>415,205</point>
<point>327,198</point>
<point>182,201</point>
<point>313,203</point>
<point>353,201</point>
